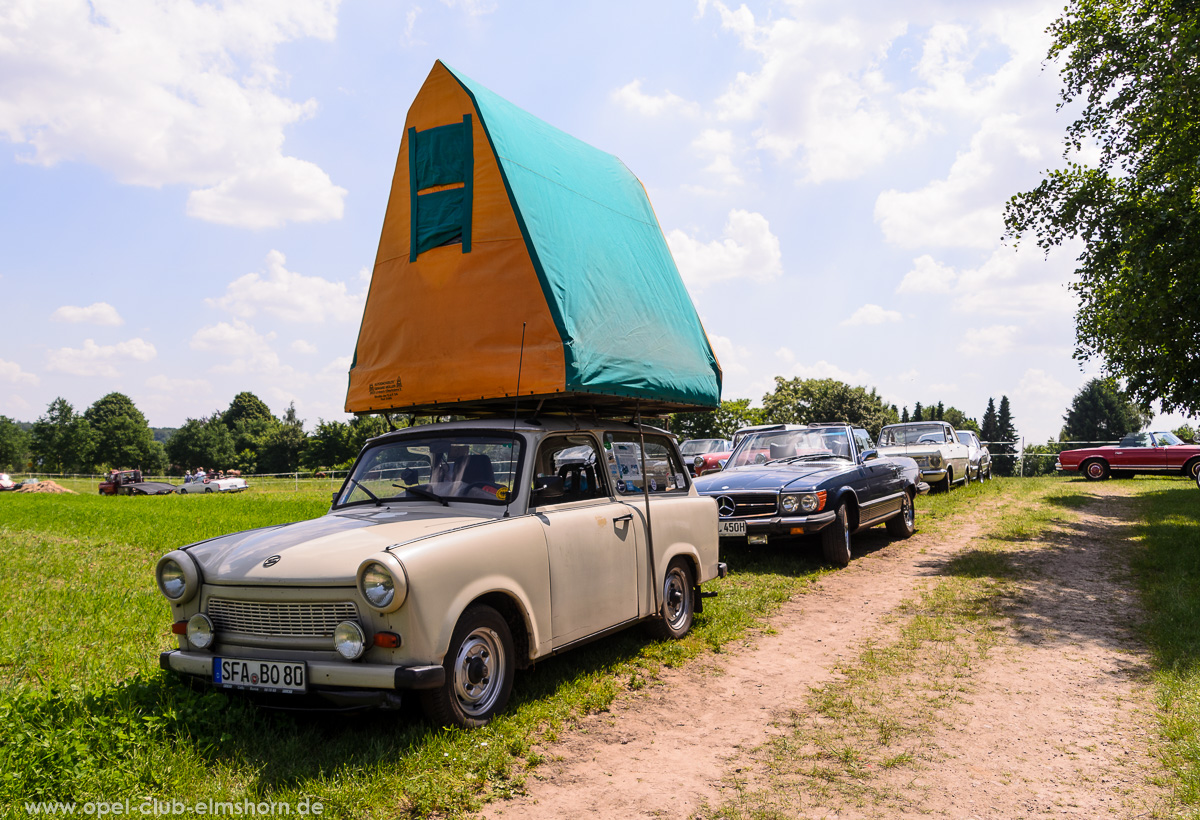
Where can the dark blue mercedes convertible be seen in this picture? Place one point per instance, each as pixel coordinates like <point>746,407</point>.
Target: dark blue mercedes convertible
<point>789,480</point>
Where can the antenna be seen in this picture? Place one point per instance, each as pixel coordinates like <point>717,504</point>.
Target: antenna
<point>516,410</point>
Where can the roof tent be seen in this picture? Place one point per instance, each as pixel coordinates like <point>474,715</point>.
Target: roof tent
<point>510,247</point>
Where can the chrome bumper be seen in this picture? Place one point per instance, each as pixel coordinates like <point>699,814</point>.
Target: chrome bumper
<point>785,525</point>
<point>323,673</point>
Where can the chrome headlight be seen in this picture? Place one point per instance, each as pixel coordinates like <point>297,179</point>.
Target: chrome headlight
<point>935,460</point>
<point>698,462</point>
<point>349,640</point>
<point>809,502</point>
<point>200,631</point>
<point>177,576</point>
<point>383,582</point>
<point>789,503</point>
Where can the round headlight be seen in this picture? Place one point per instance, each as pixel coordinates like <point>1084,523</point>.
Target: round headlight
<point>200,631</point>
<point>698,462</point>
<point>383,582</point>
<point>808,502</point>
<point>935,460</point>
<point>789,503</point>
<point>177,576</point>
<point>348,640</point>
<point>170,579</point>
<point>377,585</point>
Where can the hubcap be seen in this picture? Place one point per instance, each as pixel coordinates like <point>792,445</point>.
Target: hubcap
<point>478,671</point>
<point>908,511</point>
<point>674,596</point>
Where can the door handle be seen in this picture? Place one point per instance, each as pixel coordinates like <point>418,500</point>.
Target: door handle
<point>625,517</point>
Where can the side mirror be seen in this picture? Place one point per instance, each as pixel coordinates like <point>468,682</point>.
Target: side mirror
<point>547,488</point>
<point>333,500</point>
<point>867,455</point>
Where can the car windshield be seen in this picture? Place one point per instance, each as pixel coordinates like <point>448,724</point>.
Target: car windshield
<point>775,445</point>
<point>911,434</point>
<point>966,438</point>
<point>444,467</point>
<point>700,446</point>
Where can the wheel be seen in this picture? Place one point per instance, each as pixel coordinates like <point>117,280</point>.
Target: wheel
<point>835,538</point>
<point>1192,468</point>
<point>986,475</point>
<point>479,671</point>
<point>678,602</point>
<point>1095,470</point>
<point>943,486</point>
<point>904,524</point>
<point>208,489</point>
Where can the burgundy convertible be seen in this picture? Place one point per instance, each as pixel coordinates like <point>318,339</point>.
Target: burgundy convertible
<point>1153,452</point>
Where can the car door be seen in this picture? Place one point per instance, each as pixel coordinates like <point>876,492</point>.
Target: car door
<point>1135,452</point>
<point>592,541</point>
<point>883,479</point>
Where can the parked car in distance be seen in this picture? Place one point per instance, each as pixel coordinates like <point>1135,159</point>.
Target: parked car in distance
<point>1157,452</point>
<point>979,459</point>
<point>794,480</point>
<point>941,456</point>
<point>715,461</point>
<point>130,482</point>
<point>213,485</point>
<point>452,555</point>
<point>694,449</point>
<point>6,482</point>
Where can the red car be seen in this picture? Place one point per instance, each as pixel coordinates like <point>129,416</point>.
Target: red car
<point>1153,452</point>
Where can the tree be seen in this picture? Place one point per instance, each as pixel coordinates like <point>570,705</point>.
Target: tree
<point>246,407</point>
<point>123,438</point>
<point>205,443</point>
<point>988,430</point>
<point>62,440</point>
<point>14,445</point>
<point>328,445</point>
<point>958,419</point>
<point>280,452</point>
<point>904,416</point>
<point>917,412</point>
<point>1133,64</point>
<point>730,416</point>
<point>1099,412</point>
<point>803,401</point>
<point>1006,464</point>
<point>1185,432</point>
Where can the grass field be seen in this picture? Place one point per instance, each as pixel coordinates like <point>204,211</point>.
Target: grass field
<point>85,713</point>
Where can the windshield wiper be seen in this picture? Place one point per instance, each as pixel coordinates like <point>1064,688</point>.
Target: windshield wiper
<point>356,483</point>
<point>432,496</point>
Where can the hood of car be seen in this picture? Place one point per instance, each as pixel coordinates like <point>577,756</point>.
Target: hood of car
<point>915,449</point>
<point>771,476</point>
<point>324,551</point>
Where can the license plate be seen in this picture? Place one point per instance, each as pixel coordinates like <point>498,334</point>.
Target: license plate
<point>731,528</point>
<point>261,676</point>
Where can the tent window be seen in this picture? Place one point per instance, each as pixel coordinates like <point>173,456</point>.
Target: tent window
<point>439,157</point>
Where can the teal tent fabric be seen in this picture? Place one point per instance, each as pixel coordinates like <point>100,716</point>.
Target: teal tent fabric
<point>440,156</point>
<point>628,325</point>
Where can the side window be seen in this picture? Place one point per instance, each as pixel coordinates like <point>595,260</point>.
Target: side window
<point>664,472</point>
<point>440,171</point>
<point>577,461</point>
<point>862,440</point>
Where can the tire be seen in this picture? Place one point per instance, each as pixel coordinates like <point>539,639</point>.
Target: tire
<point>904,524</point>
<point>678,602</point>
<point>835,538</point>
<point>986,476</point>
<point>1192,469</point>
<point>479,671</point>
<point>1095,470</point>
<point>943,486</point>
<point>208,489</point>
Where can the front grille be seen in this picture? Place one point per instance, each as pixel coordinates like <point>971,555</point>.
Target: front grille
<point>308,620</point>
<point>754,505</point>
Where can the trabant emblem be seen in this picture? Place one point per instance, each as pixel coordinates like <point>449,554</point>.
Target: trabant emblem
<point>725,506</point>
<point>272,561</point>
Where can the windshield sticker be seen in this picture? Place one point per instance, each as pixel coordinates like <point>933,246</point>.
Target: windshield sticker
<point>628,464</point>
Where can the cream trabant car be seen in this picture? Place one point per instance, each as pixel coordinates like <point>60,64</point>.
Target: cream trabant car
<point>452,555</point>
<point>943,459</point>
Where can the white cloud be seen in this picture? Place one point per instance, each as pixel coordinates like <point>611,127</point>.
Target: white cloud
<point>239,347</point>
<point>180,93</point>
<point>12,373</point>
<point>731,356</point>
<point>98,313</point>
<point>1019,285</point>
<point>1040,395</point>
<point>927,276</point>
<point>872,315</point>
<point>719,148</point>
<point>633,98</point>
<point>99,360</point>
<point>819,96</point>
<point>822,369</point>
<point>996,340</point>
<point>302,346</point>
<point>748,250</point>
<point>290,296</point>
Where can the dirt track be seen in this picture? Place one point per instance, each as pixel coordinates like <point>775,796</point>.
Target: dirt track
<point>1056,722</point>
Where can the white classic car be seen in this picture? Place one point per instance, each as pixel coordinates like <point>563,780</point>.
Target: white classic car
<point>452,555</point>
<point>943,459</point>
<point>213,485</point>
<point>979,458</point>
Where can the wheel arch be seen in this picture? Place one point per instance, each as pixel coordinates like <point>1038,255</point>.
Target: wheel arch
<point>513,605</point>
<point>1190,466</point>
<point>846,495</point>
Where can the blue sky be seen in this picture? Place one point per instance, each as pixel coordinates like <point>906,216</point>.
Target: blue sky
<point>193,191</point>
